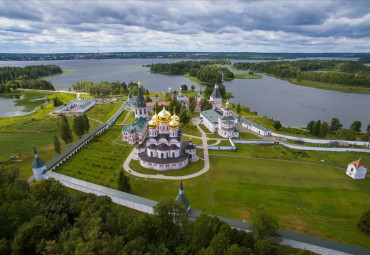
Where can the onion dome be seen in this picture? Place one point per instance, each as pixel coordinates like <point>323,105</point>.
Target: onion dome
<point>174,124</point>
<point>175,117</point>
<point>227,105</point>
<point>152,123</point>
<point>164,115</point>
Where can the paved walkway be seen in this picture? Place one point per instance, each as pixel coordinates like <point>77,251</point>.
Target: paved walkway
<point>126,164</point>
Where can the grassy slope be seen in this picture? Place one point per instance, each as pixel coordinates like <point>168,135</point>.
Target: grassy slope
<point>103,112</point>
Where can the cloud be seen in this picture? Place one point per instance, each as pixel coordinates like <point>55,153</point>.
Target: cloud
<point>262,26</point>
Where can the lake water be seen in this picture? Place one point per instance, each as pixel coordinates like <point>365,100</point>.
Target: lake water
<point>9,108</point>
<point>293,105</point>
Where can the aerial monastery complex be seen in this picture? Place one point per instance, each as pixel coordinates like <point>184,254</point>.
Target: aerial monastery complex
<point>160,145</point>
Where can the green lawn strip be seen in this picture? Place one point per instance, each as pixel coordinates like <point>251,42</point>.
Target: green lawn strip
<point>103,112</point>
<point>193,167</point>
<point>246,76</point>
<point>191,129</point>
<point>130,119</point>
<point>195,141</point>
<point>121,117</point>
<point>211,142</point>
<point>224,143</point>
<point>99,161</point>
<point>215,135</point>
<point>249,136</point>
<point>204,128</point>
<point>338,159</point>
<point>85,96</point>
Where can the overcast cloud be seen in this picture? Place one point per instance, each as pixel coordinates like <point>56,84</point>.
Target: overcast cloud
<point>252,26</point>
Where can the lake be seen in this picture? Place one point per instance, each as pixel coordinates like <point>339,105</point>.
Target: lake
<point>9,107</point>
<point>293,105</point>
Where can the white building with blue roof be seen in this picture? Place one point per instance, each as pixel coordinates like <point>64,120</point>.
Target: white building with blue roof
<point>223,124</point>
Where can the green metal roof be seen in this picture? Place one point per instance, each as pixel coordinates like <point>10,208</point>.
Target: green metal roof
<point>211,115</point>
<point>227,118</point>
<point>138,125</point>
<point>216,92</point>
<point>181,198</point>
<point>140,101</point>
<point>38,162</point>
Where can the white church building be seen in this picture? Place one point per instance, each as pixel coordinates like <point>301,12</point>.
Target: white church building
<point>356,170</point>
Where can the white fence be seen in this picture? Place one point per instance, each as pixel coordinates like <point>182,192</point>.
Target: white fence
<point>119,197</point>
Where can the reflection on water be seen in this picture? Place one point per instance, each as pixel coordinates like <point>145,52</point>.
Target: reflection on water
<point>9,108</point>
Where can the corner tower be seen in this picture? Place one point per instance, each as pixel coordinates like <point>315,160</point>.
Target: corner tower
<point>140,104</point>
<point>38,166</point>
<point>181,198</point>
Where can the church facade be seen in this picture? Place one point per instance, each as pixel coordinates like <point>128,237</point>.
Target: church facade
<point>163,147</point>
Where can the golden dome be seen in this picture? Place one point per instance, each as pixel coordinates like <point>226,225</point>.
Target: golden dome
<point>152,124</point>
<point>175,117</point>
<point>154,117</point>
<point>174,124</point>
<point>164,115</point>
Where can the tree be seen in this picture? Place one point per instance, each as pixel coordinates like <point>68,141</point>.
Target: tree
<point>368,128</point>
<point>192,104</point>
<point>219,243</point>
<point>238,109</point>
<point>124,182</point>
<point>148,99</point>
<point>65,130</point>
<point>184,116</point>
<point>364,222</point>
<point>316,128</point>
<point>57,102</point>
<point>265,227</point>
<point>310,126</point>
<point>324,129</point>
<point>277,125</point>
<point>78,126</point>
<point>205,105</point>
<point>192,87</point>
<point>335,125</point>
<point>356,126</point>
<point>184,88</point>
<point>86,122</point>
<point>347,134</point>
<point>56,144</point>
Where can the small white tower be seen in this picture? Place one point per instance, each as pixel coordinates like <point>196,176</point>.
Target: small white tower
<point>38,166</point>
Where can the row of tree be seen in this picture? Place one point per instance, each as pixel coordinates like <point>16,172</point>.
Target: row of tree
<point>12,86</point>
<point>106,88</point>
<point>183,67</point>
<point>80,126</point>
<point>349,73</point>
<point>322,129</point>
<point>46,219</point>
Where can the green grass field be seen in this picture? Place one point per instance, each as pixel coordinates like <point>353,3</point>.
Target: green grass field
<point>249,136</point>
<point>204,128</point>
<point>130,118</point>
<point>190,129</point>
<point>195,141</point>
<point>103,112</point>
<point>193,167</point>
<point>100,161</point>
<point>121,117</point>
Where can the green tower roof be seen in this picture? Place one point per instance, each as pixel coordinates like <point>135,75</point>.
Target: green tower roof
<point>37,162</point>
<point>181,198</point>
<point>216,92</point>
<point>140,101</point>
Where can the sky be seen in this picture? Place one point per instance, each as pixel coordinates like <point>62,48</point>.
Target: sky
<point>53,26</point>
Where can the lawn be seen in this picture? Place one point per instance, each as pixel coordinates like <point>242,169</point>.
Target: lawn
<point>249,136</point>
<point>103,112</point>
<point>311,199</point>
<point>214,135</point>
<point>193,167</point>
<point>130,118</point>
<point>100,161</point>
<point>204,128</point>
<point>194,140</point>
<point>121,117</point>
<point>190,129</point>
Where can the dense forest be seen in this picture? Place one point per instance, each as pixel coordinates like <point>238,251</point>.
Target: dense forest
<point>46,219</point>
<point>205,71</point>
<point>12,78</point>
<point>333,71</point>
<point>106,88</point>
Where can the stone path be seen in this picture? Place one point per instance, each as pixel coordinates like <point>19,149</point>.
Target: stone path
<point>126,164</point>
